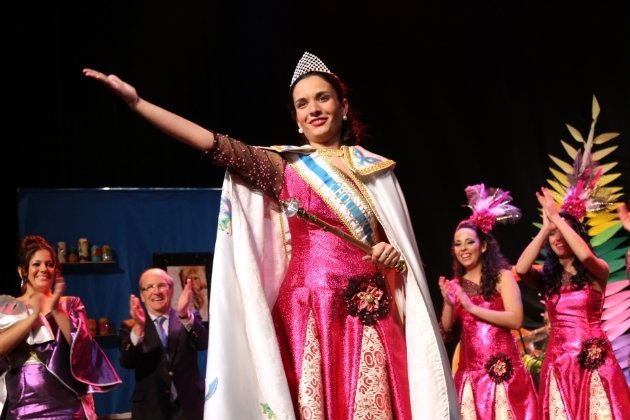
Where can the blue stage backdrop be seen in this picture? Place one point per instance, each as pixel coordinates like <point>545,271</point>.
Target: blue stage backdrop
<point>135,223</point>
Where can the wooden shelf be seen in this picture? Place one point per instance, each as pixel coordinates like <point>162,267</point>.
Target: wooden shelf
<point>91,267</point>
<point>88,263</point>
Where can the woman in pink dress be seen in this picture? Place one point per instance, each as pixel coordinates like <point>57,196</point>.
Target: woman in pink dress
<point>484,298</point>
<point>341,349</point>
<point>580,376</point>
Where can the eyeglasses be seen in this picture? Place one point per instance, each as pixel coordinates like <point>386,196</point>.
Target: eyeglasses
<point>153,287</point>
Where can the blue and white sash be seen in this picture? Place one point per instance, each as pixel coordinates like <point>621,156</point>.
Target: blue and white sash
<point>339,193</point>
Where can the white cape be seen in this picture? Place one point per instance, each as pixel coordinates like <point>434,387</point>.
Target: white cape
<point>245,377</point>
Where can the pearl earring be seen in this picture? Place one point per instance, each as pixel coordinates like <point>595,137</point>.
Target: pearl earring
<point>300,130</point>
<point>345,117</point>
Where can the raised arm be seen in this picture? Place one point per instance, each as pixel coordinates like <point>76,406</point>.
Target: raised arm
<point>530,253</point>
<point>172,124</point>
<point>596,266</point>
<point>512,314</point>
<point>260,168</point>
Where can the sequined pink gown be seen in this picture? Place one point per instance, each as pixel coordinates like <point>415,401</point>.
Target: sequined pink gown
<point>567,390</point>
<point>313,291</point>
<point>481,343</point>
<point>337,368</point>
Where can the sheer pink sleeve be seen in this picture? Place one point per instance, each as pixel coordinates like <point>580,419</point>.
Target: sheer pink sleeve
<point>260,168</point>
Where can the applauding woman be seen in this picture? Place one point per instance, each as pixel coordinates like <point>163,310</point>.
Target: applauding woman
<point>484,297</point>
<point>580,377</point>
<point>49,363</point>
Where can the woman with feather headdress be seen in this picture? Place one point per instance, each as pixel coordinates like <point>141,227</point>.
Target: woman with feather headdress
<point>484,298</point>
<point>580,376</point>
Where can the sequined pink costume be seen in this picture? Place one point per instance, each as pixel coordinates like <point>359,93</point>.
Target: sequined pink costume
<point>320,267</point>
<point>482,346</point>
<point>336,367</point>
<point>567,390</point>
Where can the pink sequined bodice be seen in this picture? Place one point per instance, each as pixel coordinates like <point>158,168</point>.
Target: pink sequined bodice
<point>481,340</point>
<point>318,258</point>
<point>575,315</point>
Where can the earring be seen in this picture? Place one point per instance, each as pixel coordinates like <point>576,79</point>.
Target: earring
<point>23,282</point>
<point>345,117</point>
<point>300,130</point>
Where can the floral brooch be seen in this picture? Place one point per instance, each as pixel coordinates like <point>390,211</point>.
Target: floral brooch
<point>499,367</point>
<point>593,353</point>
<point>367,298</point>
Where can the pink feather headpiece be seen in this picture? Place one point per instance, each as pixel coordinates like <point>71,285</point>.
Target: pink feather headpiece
<point>489,206</point>
<point>583,194</point>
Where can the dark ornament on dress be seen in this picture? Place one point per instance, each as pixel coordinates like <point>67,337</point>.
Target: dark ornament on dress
<point>367,298</point>
<point>593,353</point>
<point>499,368</point>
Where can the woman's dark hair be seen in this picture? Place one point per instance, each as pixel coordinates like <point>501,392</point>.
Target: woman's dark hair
<point>351,128</point>
<point>29,245</point>
<point>552,269</point>
<point>492,261</point>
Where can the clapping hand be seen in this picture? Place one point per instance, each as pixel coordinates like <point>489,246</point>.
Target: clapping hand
<point>185,299</point>
<point>137,314</point>
<point>549,205</point>
<point>448,291</point>
<point>60,288</point>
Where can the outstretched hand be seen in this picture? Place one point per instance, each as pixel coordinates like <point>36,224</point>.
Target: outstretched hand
<point>121,88</point>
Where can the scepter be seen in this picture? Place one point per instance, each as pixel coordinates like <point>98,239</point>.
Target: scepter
<point>292,208</point>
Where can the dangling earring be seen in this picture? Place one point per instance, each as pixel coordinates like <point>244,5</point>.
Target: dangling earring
<point>300,130</point>
<point>23,281</point>
<point>345,117</point>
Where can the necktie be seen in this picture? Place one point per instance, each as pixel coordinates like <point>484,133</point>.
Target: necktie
<point>159,321</point>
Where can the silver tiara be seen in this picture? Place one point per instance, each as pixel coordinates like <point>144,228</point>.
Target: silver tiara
<point>308,63</point>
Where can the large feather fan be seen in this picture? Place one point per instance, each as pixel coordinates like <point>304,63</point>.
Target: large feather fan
<point>587,177</point>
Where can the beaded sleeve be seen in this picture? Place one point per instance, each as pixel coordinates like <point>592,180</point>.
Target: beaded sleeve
<point>260,168</point>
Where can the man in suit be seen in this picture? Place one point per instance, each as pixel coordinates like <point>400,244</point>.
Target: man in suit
<point>161,345</point>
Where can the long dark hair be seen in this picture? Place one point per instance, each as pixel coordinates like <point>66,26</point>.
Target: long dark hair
<point>551,278</point>
<point>492,261</point>
<point>351,128</point>
<point>29,245</point>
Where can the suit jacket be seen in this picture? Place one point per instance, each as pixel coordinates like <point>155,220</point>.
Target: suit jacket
<point>155,371</point>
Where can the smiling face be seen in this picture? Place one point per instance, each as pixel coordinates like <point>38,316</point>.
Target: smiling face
<point>40,271</point>
<point>558,244</point>
<point>467,248</point>
<point>156,291</point>
<point>318,111</point>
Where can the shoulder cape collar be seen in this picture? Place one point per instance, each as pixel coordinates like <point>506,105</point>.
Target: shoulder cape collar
<point>360,160</point>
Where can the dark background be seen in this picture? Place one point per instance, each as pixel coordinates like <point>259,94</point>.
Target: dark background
<point>456,93</point>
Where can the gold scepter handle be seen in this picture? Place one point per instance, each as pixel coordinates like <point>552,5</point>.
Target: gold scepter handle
<point>292,208</point>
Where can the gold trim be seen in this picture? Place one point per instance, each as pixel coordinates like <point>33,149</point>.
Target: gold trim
<point>327,200</point>
<point>325,151</point>
<point>285,243</point>
<point>371,168</point>
<point>354,182</point>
